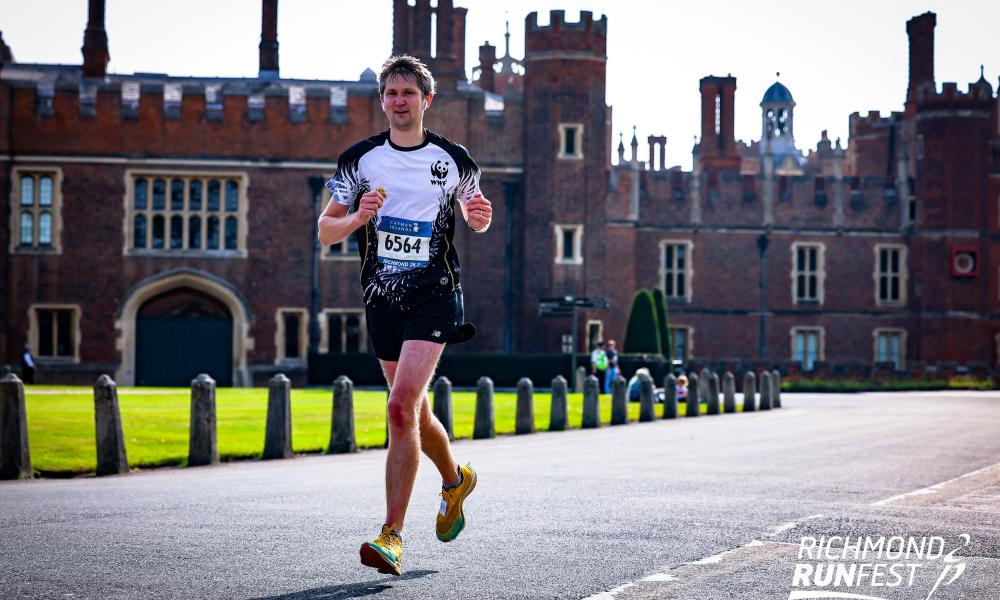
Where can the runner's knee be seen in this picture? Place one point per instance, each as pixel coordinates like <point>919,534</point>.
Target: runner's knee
<point>402,413</point>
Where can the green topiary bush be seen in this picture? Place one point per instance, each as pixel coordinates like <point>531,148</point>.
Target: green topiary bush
<point>642,332</point>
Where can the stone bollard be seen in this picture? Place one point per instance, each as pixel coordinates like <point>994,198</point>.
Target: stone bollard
<point>580,377</point>
<point>278,435</point>
<point>203,445</point>
<point>775,389</point>
<point>693,407</point>
<point>591,403</point>
<point>728,393</point>
<point>703,380</point>
<point>646,403</point>
<point>712,406</point>
<point>765,391</point>
<point>557,415</point>
<point>111,457</point>
<point>670,397</point>
<point>749,392</point>
<point>15,458</point>
<point>442,405</point>
<point>484,427</point>
<point>342,438</point>
<point>525,419</point>
<point>619,401</point>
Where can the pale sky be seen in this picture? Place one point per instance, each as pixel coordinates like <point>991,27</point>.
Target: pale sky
<point>836,57</point>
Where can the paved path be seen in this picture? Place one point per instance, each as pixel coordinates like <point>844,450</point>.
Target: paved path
<point>706,508</point>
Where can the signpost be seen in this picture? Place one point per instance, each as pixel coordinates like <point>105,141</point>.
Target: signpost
<point>566,306</point>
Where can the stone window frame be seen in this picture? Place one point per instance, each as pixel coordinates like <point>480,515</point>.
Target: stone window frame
<point>600,330</point>
<point>279,336</point>
<point>687,273</point>
<point>34,332</point>
<point>324,327</point>
<point>689,333</point>
<point>820,342</point>
<point>903,274</point>
<point>878,331</point>
<point>820,273</point>
<point>577,258</point>
<point>16,209</point>
<point>186,175</point>
<point>577,154</point>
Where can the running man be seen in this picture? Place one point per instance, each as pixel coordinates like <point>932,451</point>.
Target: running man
<point>395,193</point>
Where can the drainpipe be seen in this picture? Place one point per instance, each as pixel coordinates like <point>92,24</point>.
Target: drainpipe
<point>316,186</point>
<point>762,243</point>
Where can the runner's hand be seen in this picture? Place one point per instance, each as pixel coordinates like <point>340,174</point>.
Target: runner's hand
<point>480,212</point>
<point>369,205</point>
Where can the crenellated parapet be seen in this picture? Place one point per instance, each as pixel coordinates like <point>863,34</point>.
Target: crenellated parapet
<point>950,98</point>
<point>586,36</point>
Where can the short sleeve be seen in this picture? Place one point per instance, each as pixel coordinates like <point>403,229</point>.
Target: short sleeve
<point>346,184</point>
<point>468,182</point>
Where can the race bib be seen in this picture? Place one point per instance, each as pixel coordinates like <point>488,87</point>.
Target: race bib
<point>403,243</point>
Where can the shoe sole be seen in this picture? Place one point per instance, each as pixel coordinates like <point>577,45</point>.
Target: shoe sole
<point>370,557</point>
<point>461,514</point>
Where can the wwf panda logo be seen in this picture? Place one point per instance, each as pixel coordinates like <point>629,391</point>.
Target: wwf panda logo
<point>439,173</point>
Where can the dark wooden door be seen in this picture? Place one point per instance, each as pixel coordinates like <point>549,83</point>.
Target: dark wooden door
<point>181,334</point>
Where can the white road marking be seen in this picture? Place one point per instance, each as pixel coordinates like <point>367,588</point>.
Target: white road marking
<point>931,489</point>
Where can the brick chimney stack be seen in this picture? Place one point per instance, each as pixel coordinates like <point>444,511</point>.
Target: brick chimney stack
<point>487,59</point>
<point>920,30</point>
<point>269,40</point>
<point>95,42</point>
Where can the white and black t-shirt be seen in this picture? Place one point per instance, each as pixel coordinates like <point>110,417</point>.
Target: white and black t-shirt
<point>406,250</point>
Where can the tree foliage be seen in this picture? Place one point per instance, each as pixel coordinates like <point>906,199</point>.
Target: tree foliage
<point>660,304</point>
<point>642,332</point>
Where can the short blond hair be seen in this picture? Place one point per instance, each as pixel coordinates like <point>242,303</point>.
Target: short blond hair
<point>409,67</point>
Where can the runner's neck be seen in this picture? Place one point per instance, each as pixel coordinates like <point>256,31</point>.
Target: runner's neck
<point>407,139</point>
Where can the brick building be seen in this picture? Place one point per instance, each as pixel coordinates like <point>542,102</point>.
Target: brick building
<point>159,225</point>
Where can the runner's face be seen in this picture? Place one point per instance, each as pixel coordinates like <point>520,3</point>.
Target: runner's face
<point>404,103</point>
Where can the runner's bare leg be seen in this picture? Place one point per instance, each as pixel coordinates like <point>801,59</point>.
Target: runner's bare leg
<point>408,402</point>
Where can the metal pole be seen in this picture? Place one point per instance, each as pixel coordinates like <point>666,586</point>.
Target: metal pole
<point>572,354</point>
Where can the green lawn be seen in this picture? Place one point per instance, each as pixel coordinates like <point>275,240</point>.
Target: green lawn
<point>155,422</point>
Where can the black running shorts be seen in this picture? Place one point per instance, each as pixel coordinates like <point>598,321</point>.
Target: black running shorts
<point>438,319</point>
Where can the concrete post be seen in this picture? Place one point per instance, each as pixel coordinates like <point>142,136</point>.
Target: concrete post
<point>203,445</point>
<point>693,407</point>
<point>775,389</point>
<point>765,391</point>
<point>442,405</point>
<point>749,392</point>
<point>670,397</point>
<point>278,435</point>
<point>525,419</point>
<point>591,406</point>
<point>111,458</point>
<point>619,401</point>
<point>557,415</point>
<point>484,427</point>
<point>646,404</point>
<point>581,376</point>
<point>712,406</point>
<point>728,393</point>
<point>342,437</point>
<point>704,377</point>
<point>15,458</point>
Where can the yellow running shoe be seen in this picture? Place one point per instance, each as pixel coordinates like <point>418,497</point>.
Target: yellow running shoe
<point>385,552</point>
<point>451,518</point>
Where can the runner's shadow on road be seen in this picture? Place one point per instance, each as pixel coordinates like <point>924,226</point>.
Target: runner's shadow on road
<point>350,590</point>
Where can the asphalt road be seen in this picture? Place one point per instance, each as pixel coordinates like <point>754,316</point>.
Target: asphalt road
<point>706,508</point>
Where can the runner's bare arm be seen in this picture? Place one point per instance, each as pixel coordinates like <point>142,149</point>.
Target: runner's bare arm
<point>335,224</point>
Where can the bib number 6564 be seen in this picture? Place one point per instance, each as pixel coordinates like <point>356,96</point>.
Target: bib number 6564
<point>397,243</point>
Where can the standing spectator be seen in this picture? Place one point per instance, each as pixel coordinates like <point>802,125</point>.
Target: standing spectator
<point>598,362</point>
<point>612,372</point>
<point>27,365</point>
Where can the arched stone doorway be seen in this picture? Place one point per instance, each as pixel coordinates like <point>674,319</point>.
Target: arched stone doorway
<point>185,294</point>
<point>180,334</point>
